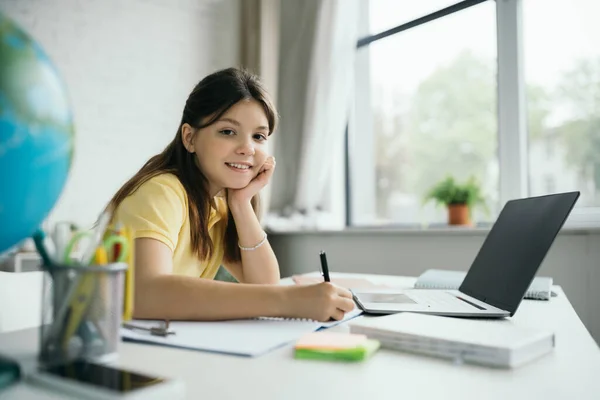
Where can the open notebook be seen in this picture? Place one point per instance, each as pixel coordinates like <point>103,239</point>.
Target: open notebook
<point>540,288</point>
<point>246,337</point>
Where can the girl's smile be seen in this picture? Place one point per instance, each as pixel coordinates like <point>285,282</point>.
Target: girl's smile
<point>240,167</point>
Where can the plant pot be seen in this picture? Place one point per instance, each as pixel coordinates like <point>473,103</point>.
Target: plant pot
<point>458,214</point>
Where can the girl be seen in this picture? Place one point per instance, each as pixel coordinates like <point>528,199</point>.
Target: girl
<point>194,206</point>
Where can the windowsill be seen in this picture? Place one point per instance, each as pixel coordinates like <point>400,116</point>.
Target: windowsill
<point>575,229</point>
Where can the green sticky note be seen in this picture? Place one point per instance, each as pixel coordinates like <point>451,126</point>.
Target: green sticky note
<point>360,352</point>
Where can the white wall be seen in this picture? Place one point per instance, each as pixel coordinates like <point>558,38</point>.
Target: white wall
<point>128,66</point>
<point>573,261</point>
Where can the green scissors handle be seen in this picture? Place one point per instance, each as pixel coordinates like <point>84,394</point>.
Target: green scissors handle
<point>111,241</point>
<point>74,240</point>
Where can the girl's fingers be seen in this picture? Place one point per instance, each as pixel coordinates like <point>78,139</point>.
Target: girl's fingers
<point>337,314</point>
<point>343,292</point>
<point>267,165</point>
<point>346,305</point>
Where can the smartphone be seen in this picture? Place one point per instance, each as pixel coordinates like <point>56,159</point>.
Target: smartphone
<point>88,380</point>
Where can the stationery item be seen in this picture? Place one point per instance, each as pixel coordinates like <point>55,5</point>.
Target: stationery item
<point>101,256</point>
<point>80,291</point>
<point>96,237</point>
<point>324,267</point>
<point>61,236</point>
<point>110,244</point>
<point>498,343</point>
<point>84,321</point>
<point>540,288</point>
<point>244,337</point>
<point>116,229</point>
<point>335,346</point>
<point>81,286</point>
<point>161,330</point>
<point>325,270</point>
<point>42,245</point>
<point>78,305</point>
<point>129,251</point>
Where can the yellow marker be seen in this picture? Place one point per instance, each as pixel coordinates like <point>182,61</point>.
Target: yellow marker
<point>100,257</point>
<point>129,275</point>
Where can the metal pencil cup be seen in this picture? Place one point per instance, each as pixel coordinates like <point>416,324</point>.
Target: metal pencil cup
<point>81,313</point>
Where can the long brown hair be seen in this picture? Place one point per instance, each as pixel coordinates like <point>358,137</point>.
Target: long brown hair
<point>210,99</point>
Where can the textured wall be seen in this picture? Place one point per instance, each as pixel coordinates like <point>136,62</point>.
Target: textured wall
<point>128,67</point>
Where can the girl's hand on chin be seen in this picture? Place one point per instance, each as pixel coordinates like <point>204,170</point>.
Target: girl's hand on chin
<point>244,195</point>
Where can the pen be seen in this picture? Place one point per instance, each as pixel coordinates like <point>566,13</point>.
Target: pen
<point>62,235</point>
<point>41,242</point>
<point>324,267</point>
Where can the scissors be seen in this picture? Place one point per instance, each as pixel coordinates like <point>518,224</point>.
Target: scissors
<point>116,246</point>
<point>161,330</point>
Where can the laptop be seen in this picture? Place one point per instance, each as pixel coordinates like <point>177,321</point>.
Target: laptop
<point>501,272</point>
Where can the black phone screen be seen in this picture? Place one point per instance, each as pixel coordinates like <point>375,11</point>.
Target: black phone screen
<point>103,376</point>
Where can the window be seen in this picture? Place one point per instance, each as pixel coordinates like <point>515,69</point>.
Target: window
<point>562,71</point>
<point>550,184</point>
<point>387,14</point>
<point>433,109</point>
<point>474,90</point>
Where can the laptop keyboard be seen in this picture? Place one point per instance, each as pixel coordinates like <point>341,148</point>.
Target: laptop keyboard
<point>437,298</point>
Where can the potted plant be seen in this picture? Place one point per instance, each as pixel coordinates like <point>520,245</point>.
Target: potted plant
<point>459,199</point>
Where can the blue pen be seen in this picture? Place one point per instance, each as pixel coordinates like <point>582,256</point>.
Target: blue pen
<point>39,237</point>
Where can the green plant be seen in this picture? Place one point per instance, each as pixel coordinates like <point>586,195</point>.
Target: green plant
<point>448,192</point>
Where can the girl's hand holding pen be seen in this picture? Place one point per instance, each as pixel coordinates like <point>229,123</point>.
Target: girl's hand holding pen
<point>322,302</point>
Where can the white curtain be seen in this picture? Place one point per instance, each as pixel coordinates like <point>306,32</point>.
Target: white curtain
<point>259,53</point>
<point>311,194</point>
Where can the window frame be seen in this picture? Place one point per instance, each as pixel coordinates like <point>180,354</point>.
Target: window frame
<point>513,157</point>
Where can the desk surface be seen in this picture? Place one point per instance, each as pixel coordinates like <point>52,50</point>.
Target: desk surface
<point>571,371</point>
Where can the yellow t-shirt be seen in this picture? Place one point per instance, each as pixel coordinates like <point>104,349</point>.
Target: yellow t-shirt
<point>158,209</point>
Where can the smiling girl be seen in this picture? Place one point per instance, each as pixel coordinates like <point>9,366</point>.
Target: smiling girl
<point>194,206</point>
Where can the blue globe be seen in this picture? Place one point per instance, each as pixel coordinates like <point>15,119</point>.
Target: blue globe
<point>36,135</point>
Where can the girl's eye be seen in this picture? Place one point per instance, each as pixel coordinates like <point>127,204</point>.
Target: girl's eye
<point>227,132</point>
<point>260,136</point>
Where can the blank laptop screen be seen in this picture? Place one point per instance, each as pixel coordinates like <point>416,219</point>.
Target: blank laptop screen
<point>515,247</point>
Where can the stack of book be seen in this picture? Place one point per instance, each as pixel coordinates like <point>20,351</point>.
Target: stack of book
<point>497,343</point>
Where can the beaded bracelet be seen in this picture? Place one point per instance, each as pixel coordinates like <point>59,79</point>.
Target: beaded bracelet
<point>264,239</point>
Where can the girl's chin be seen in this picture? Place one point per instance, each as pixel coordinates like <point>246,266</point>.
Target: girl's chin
<point>237,185</point>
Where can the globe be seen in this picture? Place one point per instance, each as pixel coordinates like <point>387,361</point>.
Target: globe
<point>36,135</point>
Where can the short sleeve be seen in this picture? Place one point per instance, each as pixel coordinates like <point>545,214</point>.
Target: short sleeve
<point>157,210</point>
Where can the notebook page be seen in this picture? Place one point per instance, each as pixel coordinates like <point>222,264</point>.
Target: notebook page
<point>241,337</point>
<point>246,337</point>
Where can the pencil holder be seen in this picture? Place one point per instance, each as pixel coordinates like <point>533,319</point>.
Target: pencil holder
<point>81,313</point>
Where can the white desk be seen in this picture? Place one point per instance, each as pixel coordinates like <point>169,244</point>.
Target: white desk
<point>572,371</point>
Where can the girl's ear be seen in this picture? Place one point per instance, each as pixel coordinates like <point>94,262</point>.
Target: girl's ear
<point>187,137</point>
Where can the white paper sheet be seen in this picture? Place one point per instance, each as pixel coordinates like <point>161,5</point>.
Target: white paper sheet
<point>247,337</point>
